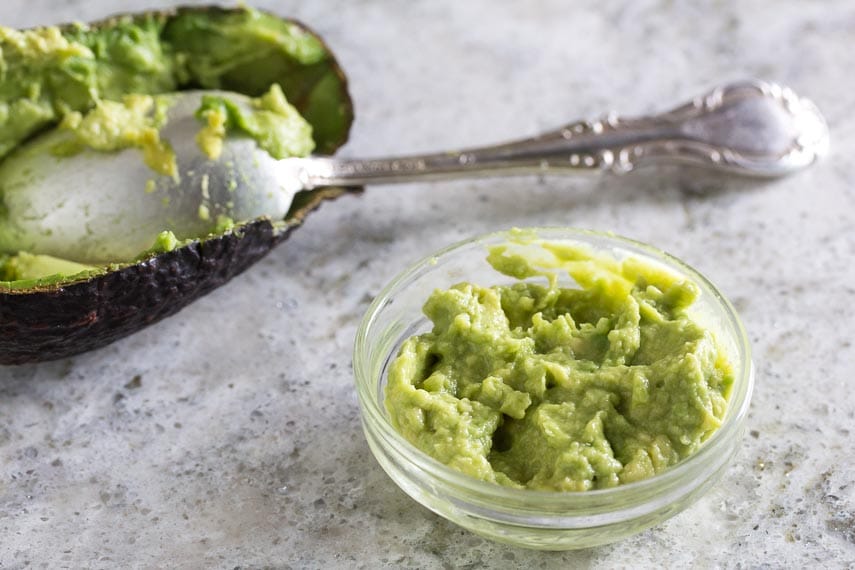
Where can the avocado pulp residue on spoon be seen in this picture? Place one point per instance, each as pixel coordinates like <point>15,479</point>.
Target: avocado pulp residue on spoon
<point>273,122</point>
<point>102,89</point>
<point>111,125</point>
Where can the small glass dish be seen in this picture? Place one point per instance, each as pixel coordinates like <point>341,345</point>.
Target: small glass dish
<point>537,519</point>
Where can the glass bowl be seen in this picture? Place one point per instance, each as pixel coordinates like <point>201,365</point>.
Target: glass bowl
<point>537,519</point>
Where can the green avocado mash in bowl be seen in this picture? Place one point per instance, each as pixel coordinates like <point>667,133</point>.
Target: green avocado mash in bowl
<point>553,388</point>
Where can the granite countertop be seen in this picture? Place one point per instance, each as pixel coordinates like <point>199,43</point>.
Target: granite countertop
<point>229,435</point>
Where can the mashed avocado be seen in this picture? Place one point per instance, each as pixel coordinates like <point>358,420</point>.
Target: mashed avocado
<point>111,125</point>
<point>273,122</point>
<point>539,385</point>
<point>135,122</point>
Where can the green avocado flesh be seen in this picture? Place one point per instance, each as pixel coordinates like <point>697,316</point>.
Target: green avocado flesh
<point>27,270</point>
<point>48,73</point>
<point>104,86</point>
<point>274,123</point>
<point>115,125</point>
<point>543,386</point>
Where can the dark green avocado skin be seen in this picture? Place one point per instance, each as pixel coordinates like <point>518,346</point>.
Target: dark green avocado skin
<point>88,315</point>
<point>61,321</point>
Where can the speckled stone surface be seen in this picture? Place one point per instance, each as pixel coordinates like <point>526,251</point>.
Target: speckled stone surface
<point>229,434</point>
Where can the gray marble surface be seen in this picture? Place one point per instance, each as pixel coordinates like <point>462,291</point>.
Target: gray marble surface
<point>229,436</point>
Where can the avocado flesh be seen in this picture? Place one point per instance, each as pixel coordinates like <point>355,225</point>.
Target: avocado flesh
<point>54,317</point>
<point>26,267</point>
<point>51,74</point>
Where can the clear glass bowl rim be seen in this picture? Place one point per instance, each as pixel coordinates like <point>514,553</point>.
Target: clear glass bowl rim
<point>674,476</point>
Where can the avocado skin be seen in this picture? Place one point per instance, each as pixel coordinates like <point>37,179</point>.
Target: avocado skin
<point>91,314</point>
<point>63,320</point>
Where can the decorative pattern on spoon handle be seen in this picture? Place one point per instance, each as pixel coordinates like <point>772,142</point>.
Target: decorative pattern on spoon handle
<point>751,128</point>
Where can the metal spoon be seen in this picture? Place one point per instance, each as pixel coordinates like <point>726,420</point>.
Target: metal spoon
<point>95,209</point>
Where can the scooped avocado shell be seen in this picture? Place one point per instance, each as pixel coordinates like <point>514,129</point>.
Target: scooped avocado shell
<point>240,50</point>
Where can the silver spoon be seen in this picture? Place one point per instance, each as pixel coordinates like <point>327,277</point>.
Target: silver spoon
<point>95,209</point>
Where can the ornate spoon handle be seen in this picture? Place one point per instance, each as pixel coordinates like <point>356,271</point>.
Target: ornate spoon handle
<point>751,128</point>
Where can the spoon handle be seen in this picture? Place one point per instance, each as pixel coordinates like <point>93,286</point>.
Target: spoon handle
<point>751,128</point>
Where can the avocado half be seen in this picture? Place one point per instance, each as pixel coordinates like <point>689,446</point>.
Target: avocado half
<point>57,319</point>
